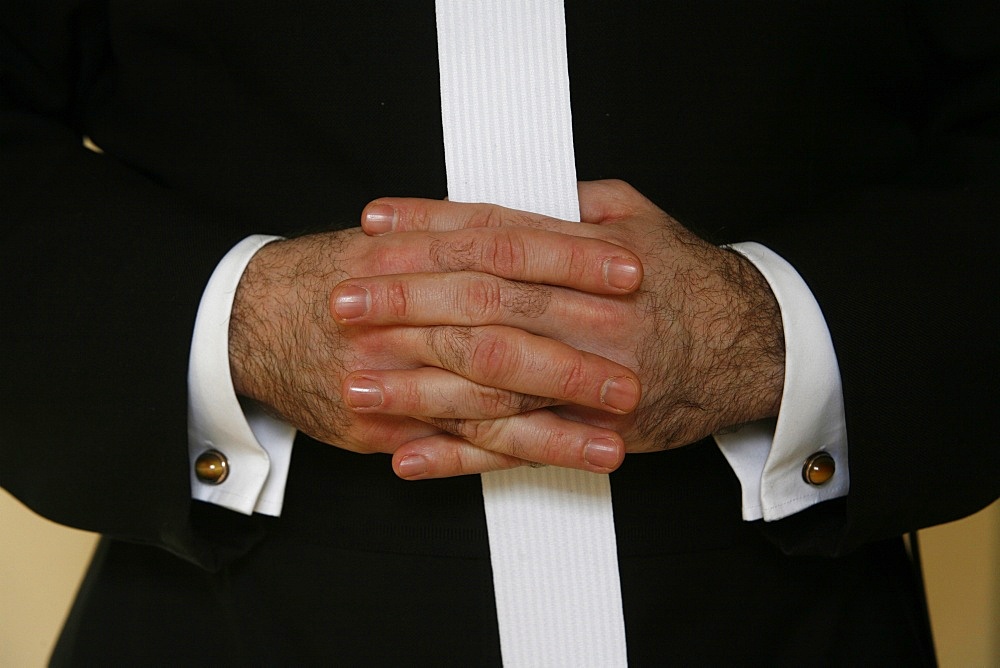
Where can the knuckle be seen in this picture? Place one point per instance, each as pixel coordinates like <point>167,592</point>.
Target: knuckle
<point>578,260</point>
<point>460,462</point>
<point>505,254</point>
<point>406,396</point>
<point>574,379</point>
<point>397,299</point>
<point>414,217</point>
<point>537,444</point>
<point>490,355</point>
<point>483,301</point>
<point>493,402</point>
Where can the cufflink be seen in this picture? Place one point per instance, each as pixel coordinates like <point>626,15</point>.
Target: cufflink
<point>819,468</point>
<point>211,467</point>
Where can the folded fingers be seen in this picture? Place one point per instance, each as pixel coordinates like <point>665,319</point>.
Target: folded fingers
<point>480,372</point>
<point>537,437</point>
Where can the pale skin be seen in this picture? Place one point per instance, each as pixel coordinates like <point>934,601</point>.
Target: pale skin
<point>465,338</point>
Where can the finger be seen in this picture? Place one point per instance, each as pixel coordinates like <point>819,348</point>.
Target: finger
<point>368,433</point>
<point>600,202</point>
<point>407,214</point>
<point>444,456</point>
<point>471,299</point>
<point>515,360</point>
<point>456,298</point>
<point>539,436</point>
<point>607,201</point>
<point>431,392</point>
<point>515,253</point>
<point>515,245</point>
<point>485,372</point>
<point>501,357</point>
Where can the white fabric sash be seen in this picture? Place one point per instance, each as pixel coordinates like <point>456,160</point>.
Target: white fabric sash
<point>508,140</point>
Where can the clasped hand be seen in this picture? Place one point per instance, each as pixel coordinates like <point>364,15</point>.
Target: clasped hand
<point>464,338</point>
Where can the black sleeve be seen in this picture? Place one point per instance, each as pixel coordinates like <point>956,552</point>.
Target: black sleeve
<point>102,270</point>
<point>905,270</point>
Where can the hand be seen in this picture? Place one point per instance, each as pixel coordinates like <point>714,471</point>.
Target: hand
<point>703,333</point>
<point>288,353</point>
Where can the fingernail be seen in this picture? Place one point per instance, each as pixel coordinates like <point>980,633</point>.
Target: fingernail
<point>363,393</point>
<point>620,394</point>
<point>602,452</point>
<point>380,219</point>
<point>621,273</point>
<point>412,466</point>
<point>351,302</point>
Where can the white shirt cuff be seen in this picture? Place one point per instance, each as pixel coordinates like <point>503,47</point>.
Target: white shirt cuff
<point>768,456</point>
<point>257,447</point>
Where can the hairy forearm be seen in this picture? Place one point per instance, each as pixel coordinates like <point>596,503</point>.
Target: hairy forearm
<point>752,364</point>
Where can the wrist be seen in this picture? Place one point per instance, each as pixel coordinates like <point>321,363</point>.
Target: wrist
<point>753,357</point>
<point>257,309</point>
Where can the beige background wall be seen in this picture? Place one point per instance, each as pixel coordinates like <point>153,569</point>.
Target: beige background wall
<point>41,564</point>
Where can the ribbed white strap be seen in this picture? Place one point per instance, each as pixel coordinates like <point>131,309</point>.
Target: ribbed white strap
<point>508,140</point>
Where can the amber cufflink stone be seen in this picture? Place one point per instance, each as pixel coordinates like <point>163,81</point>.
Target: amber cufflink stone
<point>819,468</point>
<point>211,467</point>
